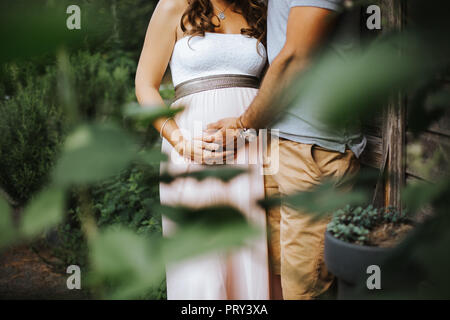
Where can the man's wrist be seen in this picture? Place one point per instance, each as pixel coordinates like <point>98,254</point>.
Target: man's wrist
<point>242,122</point>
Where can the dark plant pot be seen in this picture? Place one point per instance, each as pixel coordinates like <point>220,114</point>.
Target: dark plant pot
<point>349,262</point>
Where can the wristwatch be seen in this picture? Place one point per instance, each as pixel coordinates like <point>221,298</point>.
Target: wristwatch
<point>247,134</point>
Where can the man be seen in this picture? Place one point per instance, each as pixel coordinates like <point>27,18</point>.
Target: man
<point>309,150</point>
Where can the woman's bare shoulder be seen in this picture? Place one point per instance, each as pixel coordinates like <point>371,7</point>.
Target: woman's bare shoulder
<point>171,7</point>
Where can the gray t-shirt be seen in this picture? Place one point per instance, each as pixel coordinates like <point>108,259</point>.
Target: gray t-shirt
<point>299,123</point>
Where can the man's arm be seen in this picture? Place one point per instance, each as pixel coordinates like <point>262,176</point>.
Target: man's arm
<point>307,27</point>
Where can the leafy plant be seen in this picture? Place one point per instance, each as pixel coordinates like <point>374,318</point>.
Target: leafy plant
<point>31,133</point>
<point>128,36</point>
<point>124,262</point>
<point>127,199</point>
<point>105,84</point>
<point>354,224</point>
<point>33,121</point>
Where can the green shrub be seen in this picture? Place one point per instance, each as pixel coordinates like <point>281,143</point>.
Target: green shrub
<point>128,200</point>
<point>31,131</point>
<point>104,84</point>
<point>14,76</point>
<point>32,121</point>
<point>130,36</point>
<point>354,224</point>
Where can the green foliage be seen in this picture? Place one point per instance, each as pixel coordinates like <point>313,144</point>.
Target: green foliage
<point>104,83</point>
<point>14,76</point>
<point>43,212</point>
<point>377,70</point>
<point>68,241</point>
<point>130,264</point>
<point>354,224</point>
<point>319,202</point>
<point>423,193</point>
<point>36,28</point>
<point>90,154</point>
<point>127,262</point>
<point>205,229</point>
<point>128,199</point>
<point>33,28</point>
<point>167,92</point>
<point>434,95</point>
<point>224,174</point>
<point>144,116</point>
<point>7,234</point>
<point>131,18</point>
<point>31,131</point>
<point>419,267</point>
<point>33,122</point>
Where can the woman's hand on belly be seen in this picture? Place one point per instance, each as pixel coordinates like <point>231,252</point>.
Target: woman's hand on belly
<point>202,152</point>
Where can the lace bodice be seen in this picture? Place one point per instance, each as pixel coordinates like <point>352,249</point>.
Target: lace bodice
<point>214,54</point>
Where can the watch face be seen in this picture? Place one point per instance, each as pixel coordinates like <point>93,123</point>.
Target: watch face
<point>249,135</point>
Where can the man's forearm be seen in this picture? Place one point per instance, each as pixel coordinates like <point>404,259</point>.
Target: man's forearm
<point>264,108</point>
<point>307,28</point>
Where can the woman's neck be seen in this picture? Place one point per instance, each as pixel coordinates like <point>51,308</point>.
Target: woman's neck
<point>221,3</point>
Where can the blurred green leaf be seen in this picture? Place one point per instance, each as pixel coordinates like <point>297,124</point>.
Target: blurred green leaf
<point>126,260</point>
<point>204,230</point>
<point>196,240</point>
<point>68,98</point>
<point>148,114</point>
<point>212,216</point>
<point>152,156</point>
<point>357,85</point>
<point>134,264</point>
<point>219,172</point>
<point>31,28</point>
<point>419,194</point>
<point>429,104</point>
<point>43,212</point>
<point>320,202</point>
<point>7,232</point>
<point>92,153</point>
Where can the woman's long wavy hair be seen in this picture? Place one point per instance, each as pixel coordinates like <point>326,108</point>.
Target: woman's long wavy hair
<point>200,17</point>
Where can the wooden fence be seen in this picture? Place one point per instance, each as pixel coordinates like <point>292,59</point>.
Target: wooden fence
<point>391,146</point>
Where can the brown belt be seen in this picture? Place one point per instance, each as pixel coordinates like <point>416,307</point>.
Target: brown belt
<point>215,82</point>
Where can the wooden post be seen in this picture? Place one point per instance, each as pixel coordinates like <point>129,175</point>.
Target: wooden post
<point>394,117</point>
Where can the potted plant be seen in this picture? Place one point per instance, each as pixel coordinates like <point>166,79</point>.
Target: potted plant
<point>357,238</point>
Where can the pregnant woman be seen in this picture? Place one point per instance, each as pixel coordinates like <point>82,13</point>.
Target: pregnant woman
<point>216,55</point>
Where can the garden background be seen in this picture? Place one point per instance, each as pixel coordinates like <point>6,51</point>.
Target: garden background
<point>34,123</point>
<point>80,161</point>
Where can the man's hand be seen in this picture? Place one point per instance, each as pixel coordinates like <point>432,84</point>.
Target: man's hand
<point>224,132</point>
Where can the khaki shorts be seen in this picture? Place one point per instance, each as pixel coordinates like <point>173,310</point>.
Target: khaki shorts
<point>295,241</point>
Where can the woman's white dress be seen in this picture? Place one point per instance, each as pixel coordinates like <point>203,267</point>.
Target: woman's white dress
<point>242,273</point>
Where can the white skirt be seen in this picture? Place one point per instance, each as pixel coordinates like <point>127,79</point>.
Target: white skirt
<point>241,273</point>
